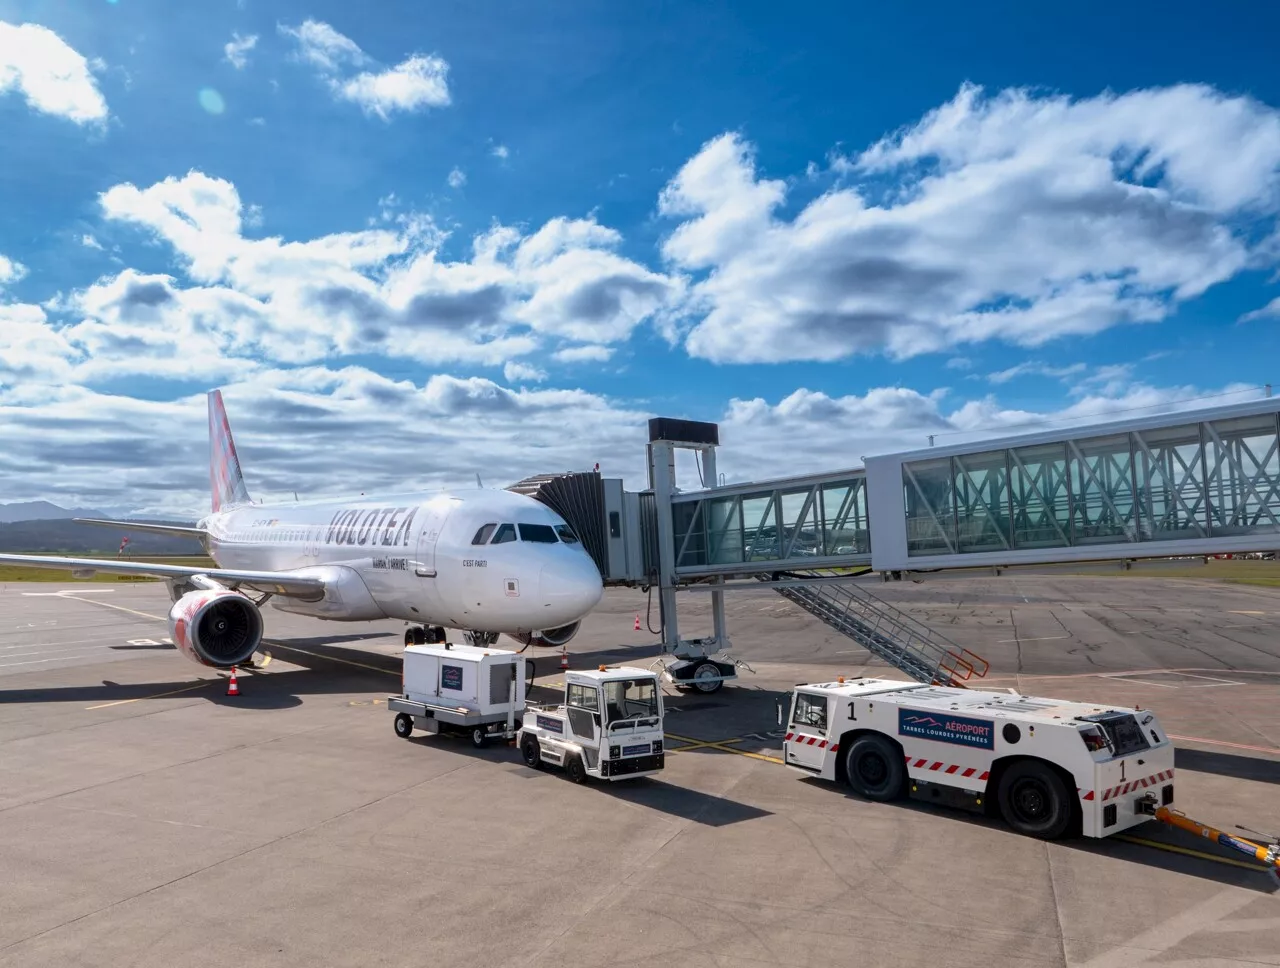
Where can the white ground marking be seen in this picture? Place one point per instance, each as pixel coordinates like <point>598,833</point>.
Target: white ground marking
<point>1162,937</point>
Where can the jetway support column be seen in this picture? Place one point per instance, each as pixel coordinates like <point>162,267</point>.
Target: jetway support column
<point>699,664</point>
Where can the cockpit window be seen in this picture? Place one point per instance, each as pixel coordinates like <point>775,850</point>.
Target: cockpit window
<point>566,535</point>
<point>506,532</point>
<point>542,533</point>
<point>484,534</point>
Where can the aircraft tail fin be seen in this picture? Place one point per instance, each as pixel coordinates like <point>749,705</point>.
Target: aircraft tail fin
<point>225,478</point>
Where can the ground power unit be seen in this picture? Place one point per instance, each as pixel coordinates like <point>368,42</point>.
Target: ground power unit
<point>460,689</point>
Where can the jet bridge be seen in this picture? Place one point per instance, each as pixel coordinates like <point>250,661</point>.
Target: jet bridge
<point>1189,484</point>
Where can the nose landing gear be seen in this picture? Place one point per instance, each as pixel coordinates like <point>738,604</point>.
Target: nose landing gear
<point>424,635</point>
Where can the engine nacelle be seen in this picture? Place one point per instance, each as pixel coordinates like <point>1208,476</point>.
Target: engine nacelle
<point>549,638</point>
<point>216,627</point>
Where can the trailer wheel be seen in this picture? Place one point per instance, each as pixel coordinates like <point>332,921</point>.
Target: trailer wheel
<point>1034,801</point>
<point>532,752</point>
<point>706,678</point>
<point>575,770</point>
<point>404,725</point>
<point>874,768</point>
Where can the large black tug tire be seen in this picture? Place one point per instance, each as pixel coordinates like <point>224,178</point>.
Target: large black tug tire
<point>875,768</point>
<point>531,752</point>
<point>1034,800</point>
<point>404,725</point>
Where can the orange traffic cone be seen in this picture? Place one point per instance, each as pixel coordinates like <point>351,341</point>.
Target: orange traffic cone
<point>564,659</point>
<point>233,688</point>
<point>637,621</point>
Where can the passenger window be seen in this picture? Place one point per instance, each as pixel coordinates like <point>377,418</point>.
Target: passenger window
<point>484,534</point>
<point>811,711</point>
<point>567,536</point>
<point>541,533</point>
<point>506,532</point>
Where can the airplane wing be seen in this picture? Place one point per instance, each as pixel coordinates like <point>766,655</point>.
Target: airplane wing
<point>304,587</point>
<point>171,529</point>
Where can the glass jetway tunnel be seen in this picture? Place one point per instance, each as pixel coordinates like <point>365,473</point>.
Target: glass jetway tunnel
<point>1190,484</point>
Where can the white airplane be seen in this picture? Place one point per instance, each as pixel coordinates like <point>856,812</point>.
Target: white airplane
<point>485,561</point>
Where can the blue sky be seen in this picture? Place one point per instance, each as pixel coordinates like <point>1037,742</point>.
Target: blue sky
<point>436,238</point>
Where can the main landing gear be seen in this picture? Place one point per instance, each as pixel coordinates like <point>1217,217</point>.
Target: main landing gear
<point>424,635</point>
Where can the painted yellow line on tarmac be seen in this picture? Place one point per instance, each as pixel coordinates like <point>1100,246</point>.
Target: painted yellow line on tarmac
<point>331,658</point>
<point>158,695</point>
<point>721,746</point>
<point>1174,849</point>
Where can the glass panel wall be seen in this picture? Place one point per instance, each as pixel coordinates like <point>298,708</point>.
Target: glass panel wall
<point>1199,480</point>
<point>792,524</point>
<point>1243,475</point>
<point>982,501</point>
<point>929,495</point>
<point>1041,497</point>
<point>760,527</point>
<point>724,530</point>
<point>800,523</point>
<point>844,518</point>
<point>1170,479</point>
<point>1102,509</point>
<point>690,535</point>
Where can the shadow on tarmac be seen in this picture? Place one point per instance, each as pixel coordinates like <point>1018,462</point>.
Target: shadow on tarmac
<point>647,791</point>
<point>1258,879</point>
<point>340,671</point>
<point>1227,764</point>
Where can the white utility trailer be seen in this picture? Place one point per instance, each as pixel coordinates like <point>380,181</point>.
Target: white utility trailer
<point>1048,767</point>
<point>609,726</point>
<point>460,689</point>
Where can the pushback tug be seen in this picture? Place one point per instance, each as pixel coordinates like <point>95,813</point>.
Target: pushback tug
<point>1045,765</point>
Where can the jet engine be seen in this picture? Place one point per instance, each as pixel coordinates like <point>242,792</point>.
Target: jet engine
<point>216,627</point>
<point>549,638</point>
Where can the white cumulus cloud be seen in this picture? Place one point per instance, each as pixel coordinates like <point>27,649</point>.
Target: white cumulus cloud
<point>51,75</point>
<point>515,372</point>
<point>419,81</point>
<point>1018,217</point>
<point>388,290</point>
<point>10,271</point>
<point>584,354</point>
<point>236,50</point>
<point>457,178</point>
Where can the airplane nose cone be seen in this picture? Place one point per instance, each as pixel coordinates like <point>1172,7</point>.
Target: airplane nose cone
<point>571,589</point>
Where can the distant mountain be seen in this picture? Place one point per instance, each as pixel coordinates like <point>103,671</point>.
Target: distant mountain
<point>43,511</point>
<point>65,537</point>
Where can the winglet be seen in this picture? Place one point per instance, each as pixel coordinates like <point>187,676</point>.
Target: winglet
<point>225,479</point>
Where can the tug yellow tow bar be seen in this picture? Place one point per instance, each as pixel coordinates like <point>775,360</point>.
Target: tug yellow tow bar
<point>1268,854</point>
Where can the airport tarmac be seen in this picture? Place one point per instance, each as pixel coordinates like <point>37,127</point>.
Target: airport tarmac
<point>147,819</point>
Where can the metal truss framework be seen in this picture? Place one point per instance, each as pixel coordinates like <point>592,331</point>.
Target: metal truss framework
<point>819,522</point>
<point>1209,479</point>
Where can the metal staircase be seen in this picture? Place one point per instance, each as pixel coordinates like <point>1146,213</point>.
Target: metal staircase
<point>885,631</point>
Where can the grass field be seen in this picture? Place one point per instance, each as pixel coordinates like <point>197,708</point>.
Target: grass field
<point>23,573</point>
<point>1233,571</point>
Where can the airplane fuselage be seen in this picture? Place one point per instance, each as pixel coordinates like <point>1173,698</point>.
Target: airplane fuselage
<point>415,557</point>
